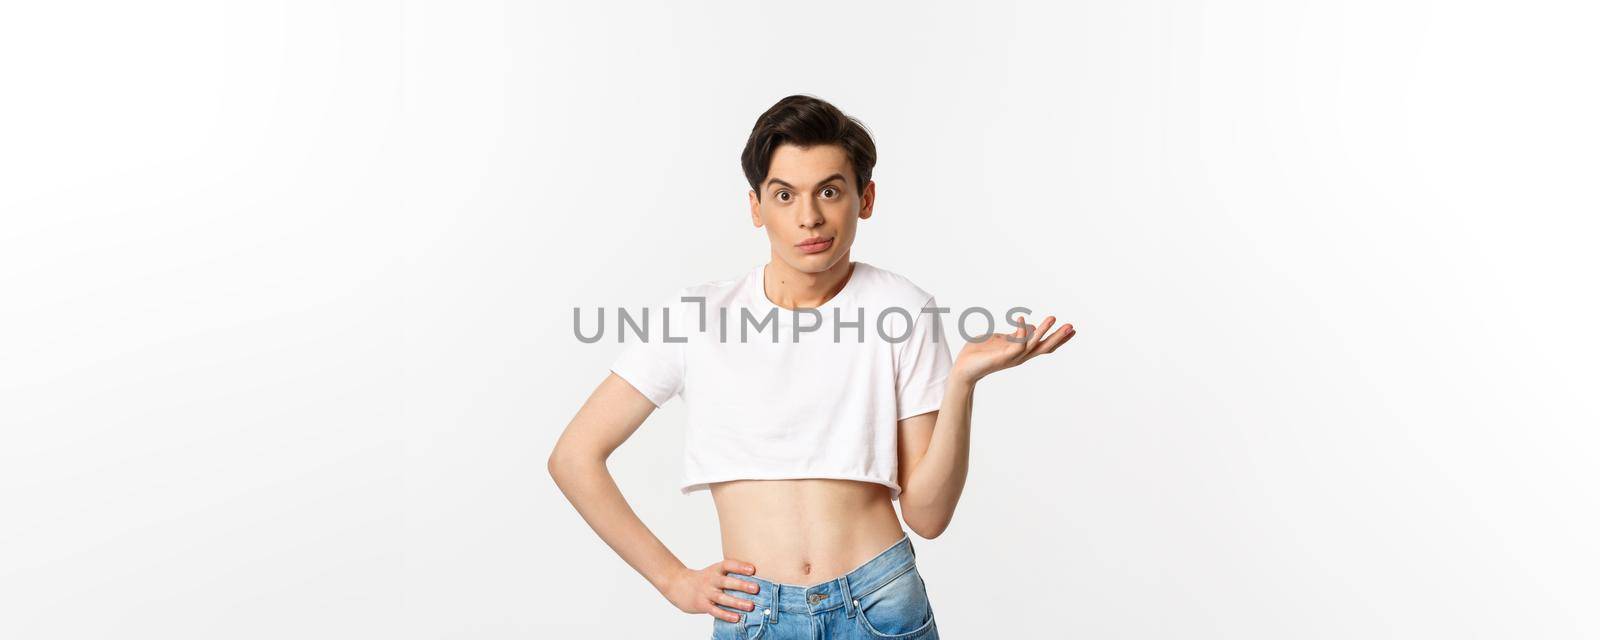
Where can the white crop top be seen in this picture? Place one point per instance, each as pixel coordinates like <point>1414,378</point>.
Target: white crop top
<point>811,406</point>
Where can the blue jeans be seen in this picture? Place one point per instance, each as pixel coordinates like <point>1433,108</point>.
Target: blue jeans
<point>883,598</point>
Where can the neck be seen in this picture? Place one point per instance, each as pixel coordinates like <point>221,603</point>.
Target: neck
<point>793,289</point>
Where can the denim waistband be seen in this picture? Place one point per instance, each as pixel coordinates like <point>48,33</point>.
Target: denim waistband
<point>889,564</point>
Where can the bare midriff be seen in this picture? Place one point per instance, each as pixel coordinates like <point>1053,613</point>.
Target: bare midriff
<point>804,532</point>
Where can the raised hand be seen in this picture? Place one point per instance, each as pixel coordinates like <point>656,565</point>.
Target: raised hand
<point>1005,350</point>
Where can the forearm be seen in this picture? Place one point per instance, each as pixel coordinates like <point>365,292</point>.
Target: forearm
<point>588,485</point>
<point>928,499</point>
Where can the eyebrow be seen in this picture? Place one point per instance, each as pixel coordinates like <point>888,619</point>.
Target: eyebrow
<point>774,181</point>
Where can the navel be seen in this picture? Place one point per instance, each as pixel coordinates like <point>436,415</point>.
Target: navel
<point>805,568</point>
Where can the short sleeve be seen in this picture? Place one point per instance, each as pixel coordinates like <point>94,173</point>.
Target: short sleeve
<point>654,363</point>
<point>923,366</point>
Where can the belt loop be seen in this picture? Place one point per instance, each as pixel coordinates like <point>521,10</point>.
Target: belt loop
<point>772,610</point>
<point>849,600</point>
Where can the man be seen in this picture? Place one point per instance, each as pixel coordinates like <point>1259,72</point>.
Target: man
<point>803,442</point>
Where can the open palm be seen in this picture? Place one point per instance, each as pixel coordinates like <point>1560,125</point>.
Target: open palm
<point>1004,350</point>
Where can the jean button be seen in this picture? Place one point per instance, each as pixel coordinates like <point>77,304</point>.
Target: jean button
<point>766,612</point>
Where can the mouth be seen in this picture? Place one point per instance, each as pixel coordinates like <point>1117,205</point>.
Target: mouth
<point>814,245</point>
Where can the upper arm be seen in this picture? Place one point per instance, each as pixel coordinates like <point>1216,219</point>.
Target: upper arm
<point>614,410</point>
<point>922,368</point>
<point>644,375</point>
<point>915,433</point>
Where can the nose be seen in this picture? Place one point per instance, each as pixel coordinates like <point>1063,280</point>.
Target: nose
<point>810,215</point>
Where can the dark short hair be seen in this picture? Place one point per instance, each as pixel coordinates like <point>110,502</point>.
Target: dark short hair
<point>807,121</point>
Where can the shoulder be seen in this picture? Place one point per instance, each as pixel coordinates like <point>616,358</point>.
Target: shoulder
<point>713,293</point>
<point>883,286</point>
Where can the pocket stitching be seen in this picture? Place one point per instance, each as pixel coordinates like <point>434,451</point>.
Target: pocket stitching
<point>895,636</point>
<point>761,628</point>
<point>903,571</point>
<point>861,615</point>
<point>742,627</point>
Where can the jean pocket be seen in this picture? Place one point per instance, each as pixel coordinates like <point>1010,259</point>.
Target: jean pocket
<point>751,624</point>
<point>898,610</point>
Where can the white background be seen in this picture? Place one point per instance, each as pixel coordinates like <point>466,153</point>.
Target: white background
<point>286,292</point>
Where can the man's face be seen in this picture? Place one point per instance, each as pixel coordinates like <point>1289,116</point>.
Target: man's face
<point>809,194</point>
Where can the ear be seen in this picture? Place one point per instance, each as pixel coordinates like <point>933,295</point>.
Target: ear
<point>869,196</point>
<point>755,210</point>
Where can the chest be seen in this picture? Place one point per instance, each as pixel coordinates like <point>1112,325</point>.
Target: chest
<point>814,374</point>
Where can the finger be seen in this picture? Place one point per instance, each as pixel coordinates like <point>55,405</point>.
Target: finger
<point>729,582</point>
<point>735,602</point>
<point>724,613</point>
<point>1019,322</point>
<point>1063,334</point>
<point>1033,341</point>
<point>1048,342</point>
<point>1019,343</point>
<point>738,566</point>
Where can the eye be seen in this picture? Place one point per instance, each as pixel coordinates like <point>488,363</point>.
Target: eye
<point>829,192</point>
<point>783,196</point>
